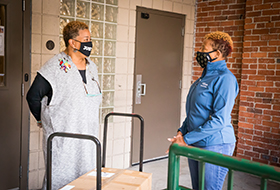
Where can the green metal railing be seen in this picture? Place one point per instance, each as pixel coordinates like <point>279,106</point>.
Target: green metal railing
<point>232,163</point>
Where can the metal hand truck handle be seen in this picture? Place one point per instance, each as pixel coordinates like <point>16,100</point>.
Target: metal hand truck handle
<point>77,136</point>
<point>141,136</point>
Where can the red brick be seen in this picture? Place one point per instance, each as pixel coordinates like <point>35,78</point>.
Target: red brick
<point>245,147</point>
<point>276,131</point>
<point>262,19</point>
<point>248,82</point>
<point>243,157</point>
<point>272,78</point>
<point>236,6</point>
<point>269,37</point>
<point>265,84</point>
<point>255,89</point>
<point>229,12</point>
<point>261,7</point>
<point>260,160</point>
<point>238,23</point>
<point>272,66</point>
<point>250,49</point>
<point>249,60</point>
<point>253,66</point>
<point>257,77</point>
<point>276,119</point>
<point>252,154</point>
<point>270,1</point>
<point>275,101</point>
<point>202,4</point>
<point>277,90</point>
<point>269,25</point>
<point>261,60</point>
<point>254,14</point>
<point>263,117</point>
<point>254,110</point>
<point>260,150</point>
<point>272,113</point>
<point>275,153</point>
<point>201,24</point>
<point>275,18</point>
<point>213,24</point>
<point>259,54</point>
<point>271,12</point>
<point>245,125</point>
<point>215,2</point>
<point>204,9</point>
<point>246,114</point>
<point>276,43</point>
<point>260,43</point>
<point>251,38</point>
<point>220,18</point>
<point>265,106</point>
<point>268,49</point>
<point>261,31</point>
<point>221,7</point>
<point>258,133</point>
<point>229,1</point>
<point>275,30</point>
<point>260,25</point>
<point>265,72</point>
<point>215,13</point>
<point>262,128</point>
<point>240,151</point>
<point>227,23</point>
<point>271,135</point>
<point>253,2</point>
<point>202,14</point>
<point>276,107</point>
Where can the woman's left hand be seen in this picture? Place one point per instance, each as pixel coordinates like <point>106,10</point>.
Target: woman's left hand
<point>179,139</point>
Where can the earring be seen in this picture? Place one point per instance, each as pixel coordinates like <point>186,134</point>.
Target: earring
<point>75,50</point>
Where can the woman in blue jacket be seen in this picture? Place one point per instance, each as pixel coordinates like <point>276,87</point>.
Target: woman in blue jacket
<point>208,109</point>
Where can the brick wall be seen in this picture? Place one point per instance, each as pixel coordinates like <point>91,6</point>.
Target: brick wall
<point>259,116</point>
<point>254,26</point>
<point>226,16</point>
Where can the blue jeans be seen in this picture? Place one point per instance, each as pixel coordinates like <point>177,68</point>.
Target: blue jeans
<point>214,175</point>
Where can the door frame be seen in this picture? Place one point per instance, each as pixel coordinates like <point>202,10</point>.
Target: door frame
<point>165,13</point>
<point>25,115</point>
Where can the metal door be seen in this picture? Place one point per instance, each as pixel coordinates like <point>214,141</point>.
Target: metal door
<point>158,73</point>
<point>12,95</point>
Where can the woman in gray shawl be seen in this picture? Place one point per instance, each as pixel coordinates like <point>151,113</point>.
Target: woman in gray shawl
<point>65,97</point>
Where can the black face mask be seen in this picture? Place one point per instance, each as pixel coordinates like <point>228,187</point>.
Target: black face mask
<point>203,58</point>
<point>85,47</point>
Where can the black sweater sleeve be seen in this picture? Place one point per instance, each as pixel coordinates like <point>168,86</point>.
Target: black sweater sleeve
<point>39,88</point>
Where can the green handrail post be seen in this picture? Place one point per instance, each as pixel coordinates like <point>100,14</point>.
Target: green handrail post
<point>263,184</point>
<point>231,162</point>
<point>230,179</point>
<point>201,175</point>
<point>174,169</point>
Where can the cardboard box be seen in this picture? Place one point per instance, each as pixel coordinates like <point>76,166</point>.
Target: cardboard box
<point>113,179</point>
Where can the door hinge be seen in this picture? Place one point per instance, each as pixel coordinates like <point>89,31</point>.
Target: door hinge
<point>20,171</point>
<point>23,5</point>
<point>22,89</point>
<point>180,84</point>
<point>183,31</point>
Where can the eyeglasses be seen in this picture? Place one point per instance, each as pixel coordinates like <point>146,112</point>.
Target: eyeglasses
<point>92,95</point>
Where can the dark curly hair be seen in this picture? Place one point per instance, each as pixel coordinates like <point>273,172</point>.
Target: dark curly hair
<point>222,42</point>
<point>71,30</point>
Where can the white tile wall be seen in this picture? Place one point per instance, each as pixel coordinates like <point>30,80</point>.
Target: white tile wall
<point>45,26</point>
<point>167,6</point>
<point>158,4</point>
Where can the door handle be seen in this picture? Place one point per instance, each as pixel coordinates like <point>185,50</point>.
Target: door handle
<point>142,90</point>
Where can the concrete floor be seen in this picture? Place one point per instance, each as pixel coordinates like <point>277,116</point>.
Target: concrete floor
<point>242,181</point>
